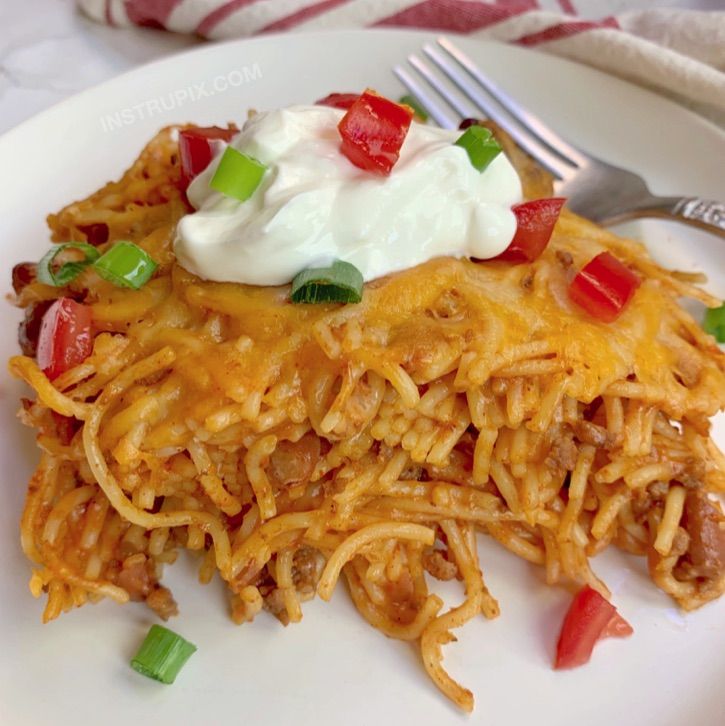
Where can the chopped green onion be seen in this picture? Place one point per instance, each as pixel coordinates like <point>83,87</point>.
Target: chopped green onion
<point>125,265</point>
<point>68,271</point>
<point>342,282</point>
<point>237,175</point>
<point>714,323</point>
<point>162,654</point>
<point>420,113</point>
<point>480,145</point>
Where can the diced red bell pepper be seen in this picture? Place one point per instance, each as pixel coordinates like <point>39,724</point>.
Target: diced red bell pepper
<point>590,617</point>
<point>195,149</point>
<point>534,225</point>
<point>373,130</point>
<point>66,337</point>
<point>338,100</point>
<point>603,287</point>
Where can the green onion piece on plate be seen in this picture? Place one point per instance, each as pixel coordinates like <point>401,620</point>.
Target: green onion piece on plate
<point>480,145</point>
<point>162,654</point>
<point>714,323</point>
<point>125,265</point>
<point>341,282</point>
<point>237,175</point>
<point>420,113</point>
<point>58,276</point>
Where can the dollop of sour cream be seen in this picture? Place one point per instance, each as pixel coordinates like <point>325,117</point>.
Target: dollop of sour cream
<point>314,206</point>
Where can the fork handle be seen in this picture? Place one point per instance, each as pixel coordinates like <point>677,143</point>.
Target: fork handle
<point>704,213</point>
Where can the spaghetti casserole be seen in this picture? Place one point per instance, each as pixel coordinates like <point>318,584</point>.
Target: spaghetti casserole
<point>292,446</point>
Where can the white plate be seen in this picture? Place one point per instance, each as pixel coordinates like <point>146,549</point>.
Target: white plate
<point>333,668</point>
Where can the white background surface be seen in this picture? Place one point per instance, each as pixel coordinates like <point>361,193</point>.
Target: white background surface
<point>333,668</point>
<point>49,51</point>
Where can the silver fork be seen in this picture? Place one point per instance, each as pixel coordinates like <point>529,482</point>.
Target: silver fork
<point>595,189</point>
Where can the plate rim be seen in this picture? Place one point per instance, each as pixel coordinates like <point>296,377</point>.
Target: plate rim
<point>481,689</point>
<point>215,46</point>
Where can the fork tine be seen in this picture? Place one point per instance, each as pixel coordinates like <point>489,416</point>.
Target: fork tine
<point>426,100</point>
<point>557,166</point>
<point>561,168</point>
<point>527,119</point>
<point>453,101</point>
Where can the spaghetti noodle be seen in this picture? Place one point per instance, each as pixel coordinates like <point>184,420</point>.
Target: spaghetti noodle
<point>292,445</point>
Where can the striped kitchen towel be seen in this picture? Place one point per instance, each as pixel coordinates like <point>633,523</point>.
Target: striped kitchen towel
<point>678,52</point>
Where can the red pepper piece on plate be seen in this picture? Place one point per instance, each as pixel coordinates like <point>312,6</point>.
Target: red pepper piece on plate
<point>195,149</point>
<point>338,100</point>
<point>590,617</point>
<point>534,225</point>
<point>603,287</point>
<point>373,130</point>
<point>66,337</point>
